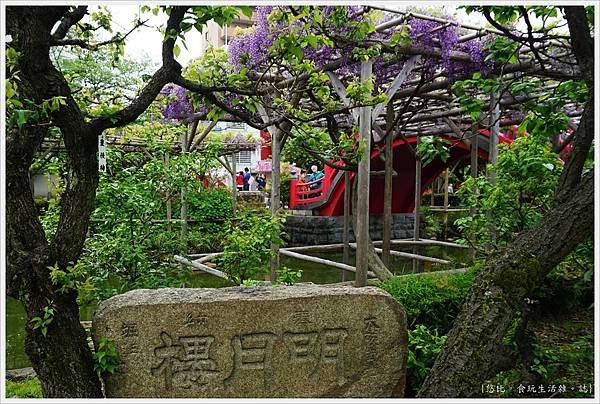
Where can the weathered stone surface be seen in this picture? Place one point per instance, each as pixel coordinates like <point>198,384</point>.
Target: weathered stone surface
<point>276,341</point>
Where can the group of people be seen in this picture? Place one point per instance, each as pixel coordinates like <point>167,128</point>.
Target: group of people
<point>244,179</point>
<point>313,178</point>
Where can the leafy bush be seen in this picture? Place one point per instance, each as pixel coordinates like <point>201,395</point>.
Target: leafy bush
<point>424,346</point>
<point>432,300</point>
<point>29,388</point>
<point>526,175</point>
<point>288,276</point>
<point>210,205</point>
<point>571,283</point>
<point>571,364</point>
<point>247,244</point>
<point>105,357</point>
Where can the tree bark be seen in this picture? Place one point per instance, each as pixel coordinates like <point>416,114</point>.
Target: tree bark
<point>360,210</point>
<point>387,193</point>
<point>373,261</point>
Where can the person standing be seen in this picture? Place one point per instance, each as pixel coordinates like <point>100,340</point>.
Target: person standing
<point>261,181</point>
<point>247,177</point>
<point>239,180</point>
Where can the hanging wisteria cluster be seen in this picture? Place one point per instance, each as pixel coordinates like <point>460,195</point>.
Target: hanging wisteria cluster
<point>180,106</point>
<point>251,50</point>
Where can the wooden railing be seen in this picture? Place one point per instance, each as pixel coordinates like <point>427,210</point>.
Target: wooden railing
<point>301,193</point>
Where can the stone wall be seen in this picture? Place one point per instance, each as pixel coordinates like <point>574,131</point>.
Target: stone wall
<point>251,199</point>
<point>315,230</point>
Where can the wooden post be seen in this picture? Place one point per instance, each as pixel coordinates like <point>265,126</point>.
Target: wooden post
<point>387,192</point>
<point>494,132</point>
<point>364,168</point>
<point>233,180</point>
<point>184,204</point>
<point>417,212</point>
<point>446,174</point>
<point>346,235</point>
<point>169,207</point>
<point>433,189</point>
<point>493,153</point>
<point>474,162</point>
<point>275,196</point>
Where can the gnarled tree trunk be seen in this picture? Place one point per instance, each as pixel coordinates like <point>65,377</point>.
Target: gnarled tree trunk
<point>60,355</point>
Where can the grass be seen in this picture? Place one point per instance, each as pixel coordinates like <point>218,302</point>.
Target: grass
<point>29,388</point>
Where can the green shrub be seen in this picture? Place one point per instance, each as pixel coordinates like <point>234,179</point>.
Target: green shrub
<point>247,244</point>
<point>423,347</point>
<point>526,174</point>
<point>433,300</point>
<point>571,283</point>
<point>210,205</point>
<point>29,388</point>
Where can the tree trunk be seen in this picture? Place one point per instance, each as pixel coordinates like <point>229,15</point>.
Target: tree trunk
<point>360,210</point>
<point>388,186</point>
<point>496,295</point>
<point>61,358</point>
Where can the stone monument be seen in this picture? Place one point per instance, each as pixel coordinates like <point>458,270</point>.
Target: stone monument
<point>270,341</point>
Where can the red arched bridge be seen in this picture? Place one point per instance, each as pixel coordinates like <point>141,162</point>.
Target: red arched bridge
<point>328,200</point>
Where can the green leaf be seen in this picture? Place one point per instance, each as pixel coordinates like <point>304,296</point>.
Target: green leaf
<point>176,50</point>
<point>21,117</point>
<point>246,10</point>
<point>297,52</point>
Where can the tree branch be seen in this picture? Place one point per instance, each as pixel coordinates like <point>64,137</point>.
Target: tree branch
<point>168,71</point>
<point>71,18</point>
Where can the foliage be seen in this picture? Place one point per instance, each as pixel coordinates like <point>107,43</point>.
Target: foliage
<point>545,117</point>
<point>247,244</point>
<point>526,175</point>
<point>288,276</point>
<point>44,321</point>
<point>432,300</point>
<point>73,277</point>
<point>424,345</point>
<point>571,283</point>
<point>430,147</point>
<point>569,364</point>
<point>434,223</point>
<point>210,205</point>
<point>131,246</point>
<point>100,84</point>
<point>315,139</point>
<point>29,388</point>
<point>106,358</point>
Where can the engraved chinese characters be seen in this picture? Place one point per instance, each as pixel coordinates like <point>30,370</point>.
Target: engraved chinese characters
<point>294,341</point>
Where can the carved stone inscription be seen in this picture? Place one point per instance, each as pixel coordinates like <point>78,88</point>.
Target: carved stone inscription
<point>298,341</point>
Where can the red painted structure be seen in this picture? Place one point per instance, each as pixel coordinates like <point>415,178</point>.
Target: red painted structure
<point>329,199</point>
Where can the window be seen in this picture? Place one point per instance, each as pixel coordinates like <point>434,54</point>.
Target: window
<point>244,157</point>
